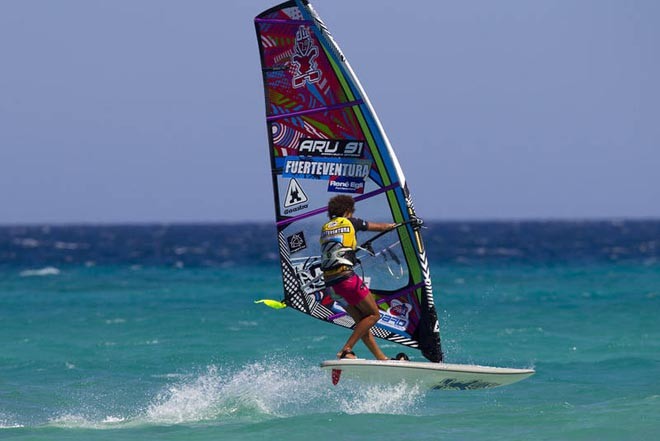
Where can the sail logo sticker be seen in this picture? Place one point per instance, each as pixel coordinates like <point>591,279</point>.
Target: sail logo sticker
<point>396,316</point>
<point>399,309</point>
<point>294,194</point>
<point>295,198</point>
<point>303,59</point>
<point>338,184</point>
<point>324,168</point>
<point>296,242</point>
<point>331,147</point>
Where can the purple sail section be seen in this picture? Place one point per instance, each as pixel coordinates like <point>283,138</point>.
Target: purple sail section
<point>297,71</point>
<point>336,123</point>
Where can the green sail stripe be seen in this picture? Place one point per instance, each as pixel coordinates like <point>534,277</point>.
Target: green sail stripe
<point>407,243</point>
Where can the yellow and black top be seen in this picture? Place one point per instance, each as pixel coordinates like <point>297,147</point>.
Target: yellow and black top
<point>338,245</point>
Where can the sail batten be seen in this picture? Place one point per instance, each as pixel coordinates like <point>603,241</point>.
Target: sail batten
<point>324,209</point>
<point>281,21</point>
<point>314,110</point>
<point>325,139</point>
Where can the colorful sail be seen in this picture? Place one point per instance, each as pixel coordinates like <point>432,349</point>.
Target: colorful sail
<point>325,139</point>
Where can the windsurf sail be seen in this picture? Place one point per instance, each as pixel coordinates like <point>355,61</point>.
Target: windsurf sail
<point>325,139</point>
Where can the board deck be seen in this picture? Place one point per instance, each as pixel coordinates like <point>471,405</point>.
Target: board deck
<point>425,374</point>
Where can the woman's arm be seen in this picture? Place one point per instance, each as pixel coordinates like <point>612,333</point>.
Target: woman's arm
<point>379,226</point>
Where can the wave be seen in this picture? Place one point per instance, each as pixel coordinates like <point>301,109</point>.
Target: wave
<point>47,271</point>
<point>61,245</point>
<point>26,242</point>
<point>255,392</point>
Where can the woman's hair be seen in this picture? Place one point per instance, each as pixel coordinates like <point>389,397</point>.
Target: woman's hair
<point>339,205</point>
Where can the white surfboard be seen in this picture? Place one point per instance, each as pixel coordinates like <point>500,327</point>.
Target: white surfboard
<point>424,374</point>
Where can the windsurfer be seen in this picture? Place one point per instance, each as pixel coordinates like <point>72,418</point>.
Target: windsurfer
<point>338,246</point>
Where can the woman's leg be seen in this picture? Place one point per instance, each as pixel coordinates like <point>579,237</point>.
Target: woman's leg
<point>366,315</point>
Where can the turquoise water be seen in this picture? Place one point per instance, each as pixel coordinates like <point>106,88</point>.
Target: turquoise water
<point>106,344</point>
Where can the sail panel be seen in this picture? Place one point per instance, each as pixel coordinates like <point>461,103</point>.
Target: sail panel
<point>325,139</point>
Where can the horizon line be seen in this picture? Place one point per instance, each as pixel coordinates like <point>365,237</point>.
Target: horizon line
<point>586,219</point>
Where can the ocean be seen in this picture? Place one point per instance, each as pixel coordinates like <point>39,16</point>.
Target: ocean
<point>150,332</point>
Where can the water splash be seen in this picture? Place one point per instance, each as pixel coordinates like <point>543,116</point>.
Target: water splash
<point>187,401</point>
<point>257,391</point>
<point>400,399</point>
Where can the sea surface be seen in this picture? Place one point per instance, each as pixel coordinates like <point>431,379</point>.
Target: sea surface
<point>150,332</point>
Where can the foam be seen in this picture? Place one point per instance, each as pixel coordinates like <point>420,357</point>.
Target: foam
<point>76,421</point>
<point>7,422</point>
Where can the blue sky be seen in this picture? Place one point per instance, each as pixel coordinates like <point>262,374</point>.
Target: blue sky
<point>152,111</point>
